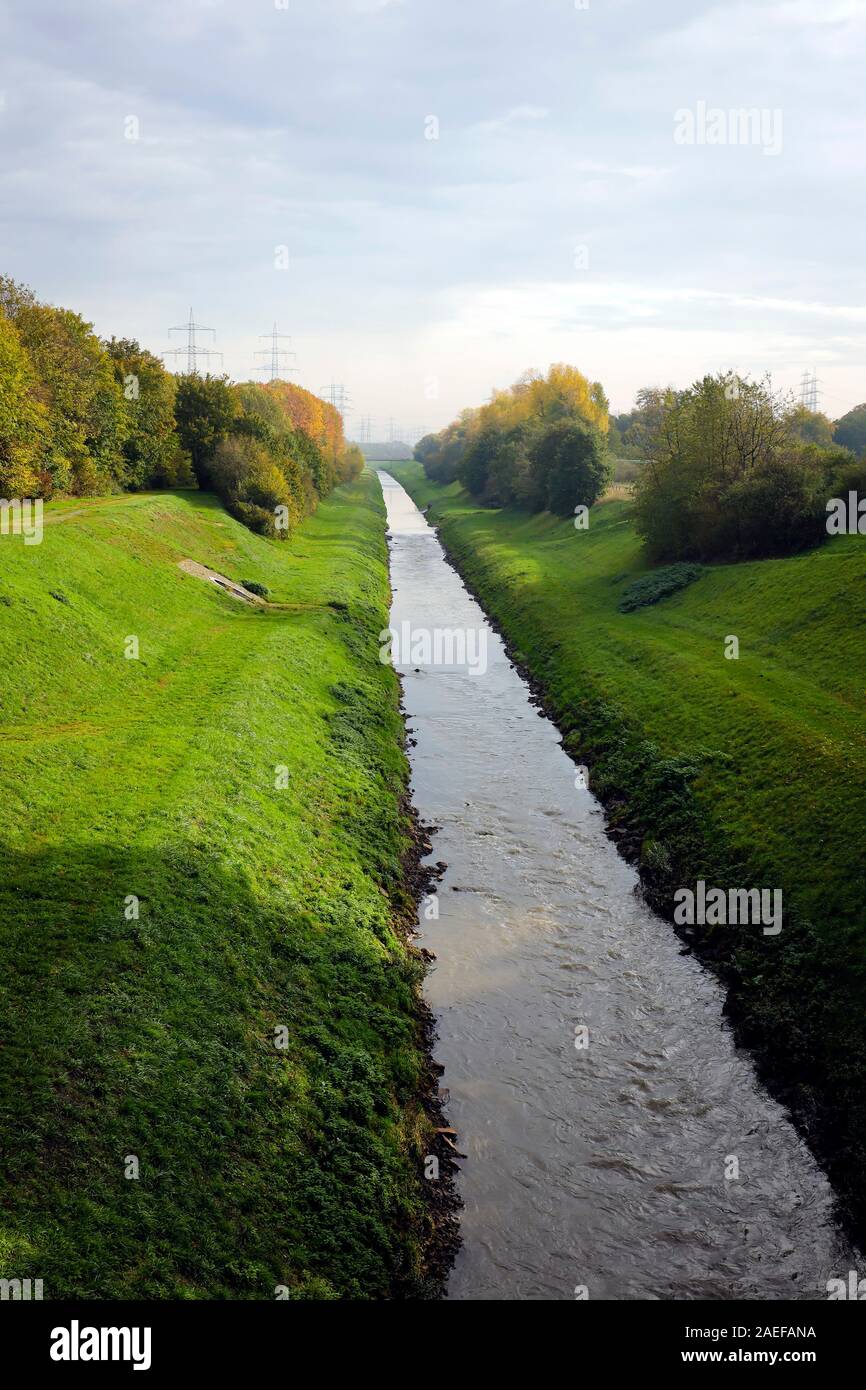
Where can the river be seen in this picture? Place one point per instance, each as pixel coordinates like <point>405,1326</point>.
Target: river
<point>616,1142</point>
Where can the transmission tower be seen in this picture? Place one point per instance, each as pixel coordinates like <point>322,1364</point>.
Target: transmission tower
<point>337,395</point>
<point>809,392</point>
<point>274,352</point>
<point>192,350</point>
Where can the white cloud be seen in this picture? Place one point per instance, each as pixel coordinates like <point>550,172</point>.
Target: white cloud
<point>412,258</point>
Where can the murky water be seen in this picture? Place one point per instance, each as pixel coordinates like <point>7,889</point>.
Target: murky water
<point>602,1166</point>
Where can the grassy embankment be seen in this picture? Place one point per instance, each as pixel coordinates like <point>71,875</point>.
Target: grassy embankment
<point>259,907</point>
<point>748,772</point>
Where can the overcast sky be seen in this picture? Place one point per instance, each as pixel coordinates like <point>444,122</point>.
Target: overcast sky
<point>560,215</point>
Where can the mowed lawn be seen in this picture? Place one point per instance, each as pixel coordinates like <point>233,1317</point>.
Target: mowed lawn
<point>786,716</point>
<point>147,1032</point>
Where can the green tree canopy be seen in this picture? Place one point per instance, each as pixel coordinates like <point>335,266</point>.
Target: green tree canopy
<point>23,420</point>
<point>850,431</point>
<point>204,410</point>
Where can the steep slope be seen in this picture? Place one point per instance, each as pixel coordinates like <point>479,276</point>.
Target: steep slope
<point>204,979</point>
<point>746,772</point>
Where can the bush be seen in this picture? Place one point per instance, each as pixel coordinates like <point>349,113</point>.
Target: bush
<point>650,588</point>
<point>780,508</point>
<point>255,587</point>
<point>252,485</point>
<point>850,478</point>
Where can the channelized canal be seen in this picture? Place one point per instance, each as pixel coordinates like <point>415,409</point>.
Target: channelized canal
<point>616,1141</point>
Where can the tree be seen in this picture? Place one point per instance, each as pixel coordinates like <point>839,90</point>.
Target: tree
<point>87,420</point>
<point>477,460</point>
<point>152,446</point>
<point>810,426</point>
<point>850,431</point>
<point>725,475</point>
<point>489,449</point>
<point>253,486</point>
<point>23,420</point>
<point>570,466</point>
<point>204,411</point>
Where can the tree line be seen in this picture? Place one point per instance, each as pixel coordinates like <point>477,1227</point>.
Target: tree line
<point>725,469</point>
<point>541,444</point>
<point>82,416</point>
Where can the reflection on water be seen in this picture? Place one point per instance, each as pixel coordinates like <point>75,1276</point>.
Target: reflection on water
<point>601,1166</point>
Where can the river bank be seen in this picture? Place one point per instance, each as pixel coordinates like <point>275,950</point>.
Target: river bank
<point>681,749</point>
<point>617,1144</point>
<point>216,1078</point>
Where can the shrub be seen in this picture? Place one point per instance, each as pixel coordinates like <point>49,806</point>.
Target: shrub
<point>850,478</point>
<point>255,587</point>
<point>650,588</point>
<point>779,508</point>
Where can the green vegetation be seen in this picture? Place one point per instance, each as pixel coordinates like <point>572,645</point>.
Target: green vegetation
<point>147,1028</point>
<point>725,469</point>
<point>83,417</point>
<point>850,431</point>
<point>656,585</point>
<point>541,444</point>
<point>748,772</point>
<point>728,474</point>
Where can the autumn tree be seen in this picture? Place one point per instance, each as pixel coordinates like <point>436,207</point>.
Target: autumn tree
<point>84,403</point>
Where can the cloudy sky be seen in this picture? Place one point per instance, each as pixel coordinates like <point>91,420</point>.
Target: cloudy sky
<point>461,189</point>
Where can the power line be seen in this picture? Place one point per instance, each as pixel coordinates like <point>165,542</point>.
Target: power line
<point>275,352</point>
<point>192,350</point>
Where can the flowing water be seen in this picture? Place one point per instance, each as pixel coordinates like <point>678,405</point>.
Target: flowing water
<point>602,1166</point>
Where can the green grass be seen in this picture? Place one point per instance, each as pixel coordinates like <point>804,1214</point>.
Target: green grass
<point>746,772</point>
<point>259,907</point>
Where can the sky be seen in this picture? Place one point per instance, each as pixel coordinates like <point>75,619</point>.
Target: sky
<point>434,196</point>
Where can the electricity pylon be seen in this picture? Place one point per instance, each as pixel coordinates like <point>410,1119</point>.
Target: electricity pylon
<point>809,392</point>
<point>337,395</point>
<point>192,350</point>
<point>275,352</point>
